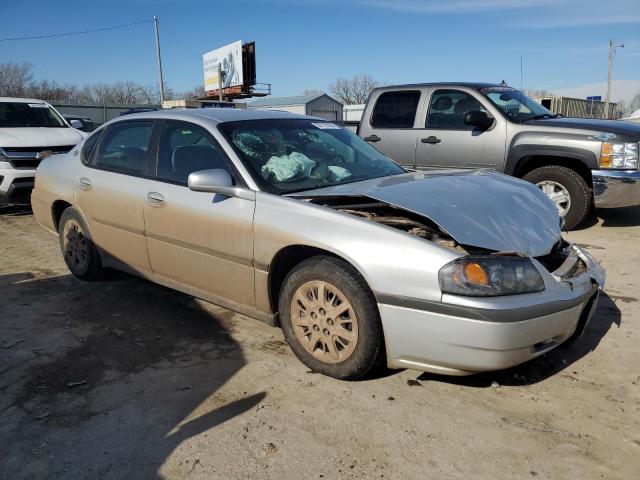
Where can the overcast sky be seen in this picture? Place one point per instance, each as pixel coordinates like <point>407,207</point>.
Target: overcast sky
<point>306,44</point>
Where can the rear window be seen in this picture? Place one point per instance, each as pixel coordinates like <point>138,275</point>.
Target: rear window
<point>396,109</point>
<point>36,114</point>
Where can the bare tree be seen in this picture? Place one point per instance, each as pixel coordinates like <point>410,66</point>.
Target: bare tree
<point>354,90</point>
<point>15,78</point>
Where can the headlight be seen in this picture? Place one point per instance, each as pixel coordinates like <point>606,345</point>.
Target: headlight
<point>490,276</point>
<point>619,155</point>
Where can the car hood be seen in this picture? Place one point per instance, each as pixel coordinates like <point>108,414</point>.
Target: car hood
<point>39,137</point>
<point>478,208</point>
<point>616,127</point>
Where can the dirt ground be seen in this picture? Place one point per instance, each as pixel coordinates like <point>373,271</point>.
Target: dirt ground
<point>125,379</point>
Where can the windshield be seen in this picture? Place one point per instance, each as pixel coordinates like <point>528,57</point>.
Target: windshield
<point>19,114</point>
<point>515,104</point>
<point>293,155</point>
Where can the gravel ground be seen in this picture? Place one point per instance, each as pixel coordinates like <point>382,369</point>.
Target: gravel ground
<point>125,379</point>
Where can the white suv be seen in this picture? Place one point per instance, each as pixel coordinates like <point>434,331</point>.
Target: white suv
<point>30,130</point>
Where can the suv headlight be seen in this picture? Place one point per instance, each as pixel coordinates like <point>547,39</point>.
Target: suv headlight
<point>619,155</point>
<point>490,276</point>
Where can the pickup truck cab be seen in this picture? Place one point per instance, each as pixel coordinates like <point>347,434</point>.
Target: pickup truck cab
<point>576,162</point>
<point>30,130</point>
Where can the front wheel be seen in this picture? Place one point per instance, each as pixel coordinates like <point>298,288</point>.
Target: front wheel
<point>330,318</point>
<point>567,190</point>
<point>79,252</point>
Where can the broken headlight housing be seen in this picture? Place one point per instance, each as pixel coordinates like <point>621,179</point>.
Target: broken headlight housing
<point>619,155</point>
<point>490,276</point>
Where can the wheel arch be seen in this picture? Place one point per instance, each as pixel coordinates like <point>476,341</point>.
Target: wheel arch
<point>529,162</point>
<point>287,258</point>
<point>57,208</point>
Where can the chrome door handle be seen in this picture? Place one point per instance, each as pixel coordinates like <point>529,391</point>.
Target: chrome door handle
<point>84,183</point>
<point>155,199</point>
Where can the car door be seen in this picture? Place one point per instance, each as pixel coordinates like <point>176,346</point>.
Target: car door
<point>446,141</point>
<point>391,125</point>
<point>109,193</point>
<point>197,240</point>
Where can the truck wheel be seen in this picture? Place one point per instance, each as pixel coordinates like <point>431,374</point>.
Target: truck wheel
<point>330,318</point>
<point>79,252</point>
<point>567,189</point>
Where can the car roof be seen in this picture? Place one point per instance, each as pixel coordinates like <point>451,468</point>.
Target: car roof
<point>474,85</point>
<point>21,100</point>
<point>212,115</point>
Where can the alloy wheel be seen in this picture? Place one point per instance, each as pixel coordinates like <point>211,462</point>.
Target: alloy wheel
<point>558,194</point>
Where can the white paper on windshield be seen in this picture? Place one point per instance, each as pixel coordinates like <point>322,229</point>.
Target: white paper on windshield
<point>326,126</point>
<point>38,105</point>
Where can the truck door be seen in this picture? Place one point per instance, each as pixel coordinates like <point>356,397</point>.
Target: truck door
<point>444,140</point>
<point>389,126</point>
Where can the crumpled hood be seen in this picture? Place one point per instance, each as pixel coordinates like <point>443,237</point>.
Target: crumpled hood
<point>39,137</point>
<point>478,208</point>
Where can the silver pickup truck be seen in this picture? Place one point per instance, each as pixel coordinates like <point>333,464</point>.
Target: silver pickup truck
<point>578,163</point>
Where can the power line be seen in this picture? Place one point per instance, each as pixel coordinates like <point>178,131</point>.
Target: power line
<point>68,34</point>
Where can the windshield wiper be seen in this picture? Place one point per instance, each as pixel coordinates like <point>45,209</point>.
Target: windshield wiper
<point>541,116</point>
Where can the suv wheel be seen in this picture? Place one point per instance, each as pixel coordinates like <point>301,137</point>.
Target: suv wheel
<point>330,318</point>
<point>567,189</point>
<point>79,252</point>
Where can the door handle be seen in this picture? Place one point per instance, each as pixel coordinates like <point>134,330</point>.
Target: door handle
<point>84,183</point>
<point>431,139</point>
<point>154,199</point>
<point>372,138</point>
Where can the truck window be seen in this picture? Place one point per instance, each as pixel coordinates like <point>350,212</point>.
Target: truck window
<point>447,109</point>
<point>396,109</point>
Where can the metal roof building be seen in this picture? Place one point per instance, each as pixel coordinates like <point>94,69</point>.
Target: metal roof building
<point>319,105</point>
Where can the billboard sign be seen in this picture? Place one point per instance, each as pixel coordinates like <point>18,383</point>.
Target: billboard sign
<point>229,58</point>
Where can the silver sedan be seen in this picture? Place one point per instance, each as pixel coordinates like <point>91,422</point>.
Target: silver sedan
<point>296,221</point>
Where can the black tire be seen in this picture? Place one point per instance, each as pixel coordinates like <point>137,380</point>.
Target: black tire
<point>83,259</point>
<point>576,186</point>
<point>369,348</point>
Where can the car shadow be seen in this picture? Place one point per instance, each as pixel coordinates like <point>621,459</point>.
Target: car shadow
<point>15,210</point>
<point>620,217</point>
<point>549,364</point>
<point>106,379</point>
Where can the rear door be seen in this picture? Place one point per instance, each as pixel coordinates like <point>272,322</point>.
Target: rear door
<point>200,240</point>
<point>110,188</point>
<point>444,140</point>
<point>389,125</point>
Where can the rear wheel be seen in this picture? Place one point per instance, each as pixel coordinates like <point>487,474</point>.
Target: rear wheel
<point>330,318</point>
<point>78,250</point>
<point>567,189</point>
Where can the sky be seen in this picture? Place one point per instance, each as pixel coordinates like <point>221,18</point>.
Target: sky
<point>306,44</point>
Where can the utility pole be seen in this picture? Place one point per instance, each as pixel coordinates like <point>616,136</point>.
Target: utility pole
<point>155,27</point>
<point>521,86</point>
<point>220,81</point>
<point>612,52</point>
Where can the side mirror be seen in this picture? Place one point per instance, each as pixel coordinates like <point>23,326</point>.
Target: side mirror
<point>77,124</point>
<point>217,180</point>
<point>477,118</point>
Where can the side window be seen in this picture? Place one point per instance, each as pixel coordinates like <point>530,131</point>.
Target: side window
<point>89,146</point>
<point>396,109</point>
<point>447,109</point>
<point>186,148</point>
<point>125,147</point>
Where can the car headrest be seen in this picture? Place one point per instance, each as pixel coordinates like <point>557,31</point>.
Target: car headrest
<point>442,103</point>
<point>192,158</point>
<point>462,107</point>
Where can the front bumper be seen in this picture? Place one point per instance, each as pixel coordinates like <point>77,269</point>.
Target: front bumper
<point>616,188</point>
<point>15,184</point>
<point>473,335</point>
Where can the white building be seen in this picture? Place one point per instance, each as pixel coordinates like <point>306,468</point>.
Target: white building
<point>320,105</point>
